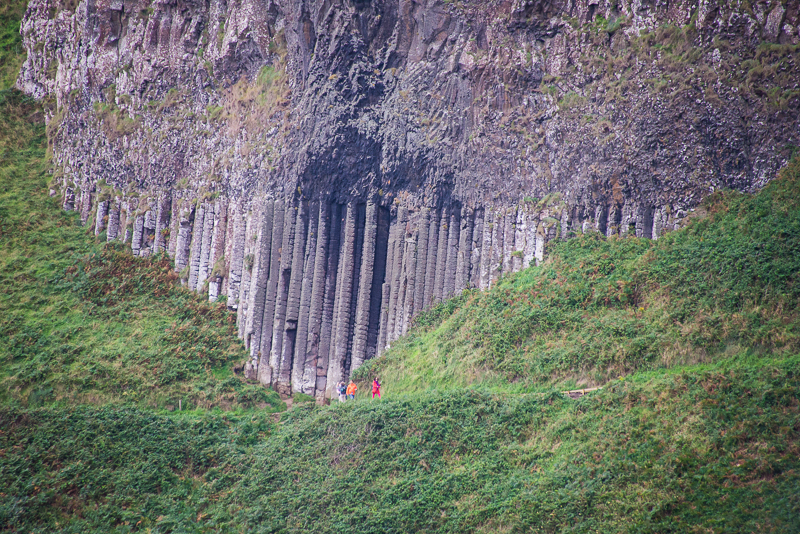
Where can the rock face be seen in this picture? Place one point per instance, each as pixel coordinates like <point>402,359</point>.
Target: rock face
<point>333,167</point>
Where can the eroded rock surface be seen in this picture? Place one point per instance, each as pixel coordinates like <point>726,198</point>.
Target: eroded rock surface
<point>333,167</point>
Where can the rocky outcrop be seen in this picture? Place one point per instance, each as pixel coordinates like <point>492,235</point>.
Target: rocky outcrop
<point>332,168</point>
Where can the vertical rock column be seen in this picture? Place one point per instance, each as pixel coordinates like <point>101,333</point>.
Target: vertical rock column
<point>282,295</point>
<point>423,231</point>
<point>268,320</point>
<point>519,242</point>
<point>486,249</point>
<point>100,218</point>
<point>386,288</point>
<point>113,222</point>
<point>205,266</point>
<point>330,299</point>
<point>250,226</point>
<point>463,260</point>
<point>475,253</point>
<point>509,220</point>
<point>138,231</point>
<point>184,239</point>
<point>441,257</point>
<point>406,307</point>
<point>430,260</point>
<point>397,235</point>
<point>197,246</point>
<point>496,265</point>
<point>258,289</point>
<point>341,333</point>
<point>317,300</point>
<point>306,289</point>
<point>217,254</point>
<point>293,299</point>
<point>454,232</point>
<point>529,253</point>
<point>363,302</point>
<point>162,222</point>
<point>237,258</point>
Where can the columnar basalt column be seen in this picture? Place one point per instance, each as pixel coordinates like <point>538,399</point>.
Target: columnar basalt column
<point>306,289</point>
<point>363,302</point>
<point>316,304</point>
<point>69,199</point>
<point>162,221</point>
<point>216,255</point>
<point>341,334</point>
<point>251,224</point>
<point>496,266</point>
<point>509,233</point>
<point>430,258</point>
<point>399,314</point>
<point>237,259</point>
<point>138,230</point>
<point>441,257</point>
<point>454,232</point>
<point>196,246</point>
<point>86,202</point>
<point>540,240</point>
<point>184,238</point>
<point>386,288</point>
<point>361,217</point>
<point>174,225</point>
<point>477,246</point>
<point>205,250</point>
<point>529,254</point>
<point>282,296</point>
<point>423,230</point>
<point>113,221</point>
<point>330,298</point>
<point>628,217</point>
<point>397,237</point>
<point>564,222</point>
<point>258,285</point>
<point>379,274</point>
<point>265,369</point>
<point>519,242</point>
<point>100,218</point>
<point>293,299</point>
<point>463,258</point>
<point>407,291</point>
<point>382,342</point>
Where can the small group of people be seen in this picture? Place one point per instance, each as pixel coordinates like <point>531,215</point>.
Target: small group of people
<point>349,392</point>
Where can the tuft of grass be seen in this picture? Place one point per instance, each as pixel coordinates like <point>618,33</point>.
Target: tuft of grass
<point>12,53</point>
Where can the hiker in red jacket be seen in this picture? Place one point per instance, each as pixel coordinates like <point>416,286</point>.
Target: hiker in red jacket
<point>376,388</point>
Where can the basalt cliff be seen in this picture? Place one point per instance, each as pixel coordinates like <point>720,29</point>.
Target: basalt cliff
<point>333,167</point>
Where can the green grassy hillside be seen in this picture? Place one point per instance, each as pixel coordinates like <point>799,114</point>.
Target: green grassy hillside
<point>599,308</point>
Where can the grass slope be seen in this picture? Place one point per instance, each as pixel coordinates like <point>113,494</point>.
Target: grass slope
<point>606,307</point>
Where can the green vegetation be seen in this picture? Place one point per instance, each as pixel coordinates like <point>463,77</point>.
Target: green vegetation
<point>11,52</point>
<point>602,308</point>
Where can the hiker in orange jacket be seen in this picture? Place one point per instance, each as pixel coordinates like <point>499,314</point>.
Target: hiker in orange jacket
<point>351,390</point>
<point>376,388</point>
